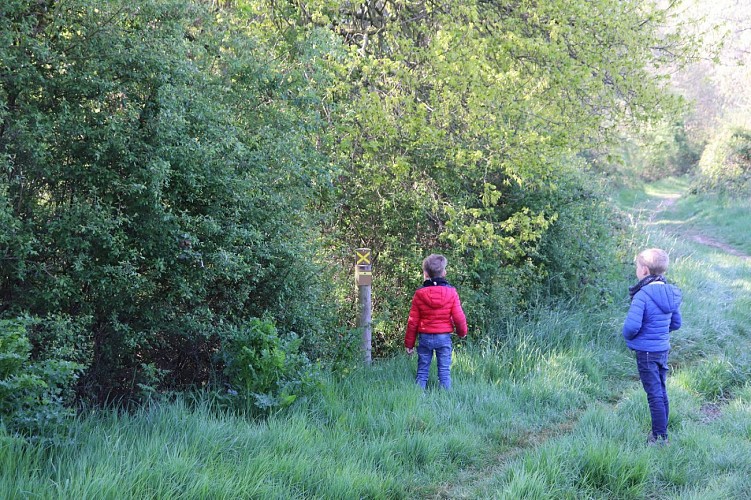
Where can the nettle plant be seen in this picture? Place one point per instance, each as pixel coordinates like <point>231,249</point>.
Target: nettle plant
<point>264,370</point>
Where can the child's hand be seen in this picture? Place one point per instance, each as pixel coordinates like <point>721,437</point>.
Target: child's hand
<point>410,350</point>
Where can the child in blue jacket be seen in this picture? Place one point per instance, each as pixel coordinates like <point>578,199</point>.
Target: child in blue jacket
<point>654,313</point>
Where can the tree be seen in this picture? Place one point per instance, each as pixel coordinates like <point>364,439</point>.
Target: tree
<point>458,122</point>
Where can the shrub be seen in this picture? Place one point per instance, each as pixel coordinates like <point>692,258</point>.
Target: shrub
<point>578,254</point>
<point>153,189</point>
<point>32,393</point>
<point>264,370</point>
<point>725,165</point>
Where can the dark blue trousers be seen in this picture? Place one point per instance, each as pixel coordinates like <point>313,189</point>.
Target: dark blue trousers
<point>653,372</point>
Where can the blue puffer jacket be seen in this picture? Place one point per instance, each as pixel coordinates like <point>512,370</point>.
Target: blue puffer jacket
<point>654,313</point>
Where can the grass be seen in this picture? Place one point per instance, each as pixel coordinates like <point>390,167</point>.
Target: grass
<point>549,408</point>
<point>720,217</point>
<point>373,435</point>
<point>717,216</point>
<point>650,196</point>
<point>710,455</point>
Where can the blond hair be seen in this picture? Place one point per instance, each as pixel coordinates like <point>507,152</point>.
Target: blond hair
<point>434,265</point>
<point>654,259</point>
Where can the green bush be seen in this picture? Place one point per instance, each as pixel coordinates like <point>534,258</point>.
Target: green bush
<point>725,165</point>
<point>656,151</point>
<point>581,246</point>
<point>264,370</point>
<point>154,179</point>
<point>33,394</point>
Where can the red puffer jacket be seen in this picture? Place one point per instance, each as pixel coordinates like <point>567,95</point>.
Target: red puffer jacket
<point>435,309</point>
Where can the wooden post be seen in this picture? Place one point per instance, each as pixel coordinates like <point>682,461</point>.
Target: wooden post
<point>364,279</point>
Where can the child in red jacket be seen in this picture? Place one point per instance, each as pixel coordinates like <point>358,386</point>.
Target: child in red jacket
<point>435,313</point>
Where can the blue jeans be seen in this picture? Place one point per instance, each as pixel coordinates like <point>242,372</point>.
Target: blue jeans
<point>653,372</point>
<point>440,343</point>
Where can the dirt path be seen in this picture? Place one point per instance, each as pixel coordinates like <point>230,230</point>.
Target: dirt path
<point>693,234</point>
<point>711,242</point>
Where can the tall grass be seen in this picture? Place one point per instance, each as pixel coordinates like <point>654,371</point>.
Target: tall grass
<point>710,452</point>
<point>373,435</point>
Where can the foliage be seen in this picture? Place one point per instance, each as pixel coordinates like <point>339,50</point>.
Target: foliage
<point>264,369</point>
<point>170,170</point>
<point>449,120</point>
<point>155,166</point>
<point>555,410</point>
<point>337,351</point>
<point>371,434</point>
<point>579,254</point>
<point>725,164</point>
<point>33,394</point>
<point>658,151</point>
<point>714,81</point>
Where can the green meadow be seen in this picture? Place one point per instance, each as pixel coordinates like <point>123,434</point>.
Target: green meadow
<point>550,406</point>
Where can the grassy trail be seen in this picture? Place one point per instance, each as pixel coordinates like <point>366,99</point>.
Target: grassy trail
<point>602,454</point>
